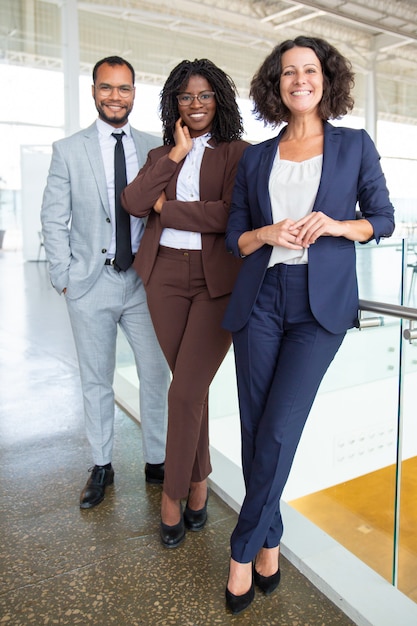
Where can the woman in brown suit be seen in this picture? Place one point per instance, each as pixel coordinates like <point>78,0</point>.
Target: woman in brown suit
<point>185,190</point>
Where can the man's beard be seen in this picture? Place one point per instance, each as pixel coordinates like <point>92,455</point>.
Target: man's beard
<point>116,118</point>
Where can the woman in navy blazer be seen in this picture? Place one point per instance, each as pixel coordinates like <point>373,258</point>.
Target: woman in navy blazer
<point>293,220</point>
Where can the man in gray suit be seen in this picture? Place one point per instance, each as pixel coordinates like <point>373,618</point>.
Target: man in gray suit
<point>79,212</point>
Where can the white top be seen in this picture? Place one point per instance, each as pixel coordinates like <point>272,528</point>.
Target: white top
<point>188,190</point>
<point>292,188</point>
<point>107,143</point>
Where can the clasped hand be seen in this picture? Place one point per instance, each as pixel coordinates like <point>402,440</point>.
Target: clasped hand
<point>303,232</point>
<point>314,225</point>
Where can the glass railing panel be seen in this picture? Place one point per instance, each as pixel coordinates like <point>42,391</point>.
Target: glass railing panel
<point>343,477</point>
<point>410,287</point>
<point>406,566</point>
<point>407,534</point>
<point>379,269</point>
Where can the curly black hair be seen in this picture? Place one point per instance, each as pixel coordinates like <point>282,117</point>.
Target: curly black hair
<point>227,122</point>
<point>337,84</point>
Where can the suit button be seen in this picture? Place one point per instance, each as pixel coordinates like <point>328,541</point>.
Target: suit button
<point>104,250</point>
<point>108,220</point>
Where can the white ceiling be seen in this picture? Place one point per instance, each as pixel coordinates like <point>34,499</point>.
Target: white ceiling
<point>237,35</point>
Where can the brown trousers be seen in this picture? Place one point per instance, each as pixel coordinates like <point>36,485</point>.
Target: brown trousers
<point>187,323</point>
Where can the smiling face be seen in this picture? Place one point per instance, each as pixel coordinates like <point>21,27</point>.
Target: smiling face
<point>198,117</point>
<point>301,83</point>
<point>112,107</point>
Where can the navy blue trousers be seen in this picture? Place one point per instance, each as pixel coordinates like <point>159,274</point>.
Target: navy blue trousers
<point>281,357</point>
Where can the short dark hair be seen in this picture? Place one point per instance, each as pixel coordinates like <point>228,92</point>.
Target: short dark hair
<point>227,123</point>
<point>337,84</point>
<point>114,60</point>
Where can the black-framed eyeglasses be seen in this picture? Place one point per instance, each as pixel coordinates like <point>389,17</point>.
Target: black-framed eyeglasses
<point>186,99</point>
<point>105,90</point>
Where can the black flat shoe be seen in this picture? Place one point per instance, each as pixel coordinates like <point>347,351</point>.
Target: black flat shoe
<point>237,604</point>
<point>154,473</point>
<point>93,492</point>
<point>267,584</point>
<point>195,520</point>
<point>172,536</point>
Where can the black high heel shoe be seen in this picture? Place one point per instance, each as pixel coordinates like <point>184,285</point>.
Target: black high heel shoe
<point>195,520</point>
<point>172,536</point>
<point>237,604</point>
<point>267,584</point>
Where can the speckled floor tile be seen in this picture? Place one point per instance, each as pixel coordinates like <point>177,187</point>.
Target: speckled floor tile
<point>105,566</point>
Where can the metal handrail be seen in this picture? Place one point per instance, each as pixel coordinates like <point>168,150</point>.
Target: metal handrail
<point>395,310</point>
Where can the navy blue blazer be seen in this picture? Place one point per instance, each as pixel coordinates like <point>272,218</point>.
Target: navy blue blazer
<point>351,174</point>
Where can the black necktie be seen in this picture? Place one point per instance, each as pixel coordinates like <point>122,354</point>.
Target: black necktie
<point>123,258</point>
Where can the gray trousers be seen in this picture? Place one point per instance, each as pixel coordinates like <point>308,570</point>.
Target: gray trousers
<point>119,299</point>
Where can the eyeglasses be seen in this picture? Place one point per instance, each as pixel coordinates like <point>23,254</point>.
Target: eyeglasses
<point>124,91</point>
<point>186,99</point>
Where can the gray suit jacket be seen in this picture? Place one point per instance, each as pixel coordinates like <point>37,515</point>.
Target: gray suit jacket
<point>75,212</point>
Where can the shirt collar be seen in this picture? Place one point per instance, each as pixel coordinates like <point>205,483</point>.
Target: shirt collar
<point>203,140</point>
<point>107,129</point>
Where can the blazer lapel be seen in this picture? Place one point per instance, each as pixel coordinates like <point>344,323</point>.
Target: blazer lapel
<point>265,167</point>
<point>332,139</point>
<point>92,147</point>
<point>141,149</point>
<point>264,170</point>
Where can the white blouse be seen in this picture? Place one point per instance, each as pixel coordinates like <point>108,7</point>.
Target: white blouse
<point>293,188</point>
<point>188,190</point>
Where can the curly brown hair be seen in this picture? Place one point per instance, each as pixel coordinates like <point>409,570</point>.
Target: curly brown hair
<point>338,80</point>
<point>227,123</point>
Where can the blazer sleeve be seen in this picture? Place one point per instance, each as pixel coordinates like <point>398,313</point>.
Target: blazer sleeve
<point>160,173</point>
<point>217,177</point>
<point>55,218</point>
<point>246,214</point>
<point>141,194</point>
<point>373,195</point>
<point>239,216</point>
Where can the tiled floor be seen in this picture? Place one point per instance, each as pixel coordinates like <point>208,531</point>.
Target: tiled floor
<point>60,565</point>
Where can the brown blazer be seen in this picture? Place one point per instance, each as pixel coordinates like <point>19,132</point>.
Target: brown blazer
<point>207,216</point>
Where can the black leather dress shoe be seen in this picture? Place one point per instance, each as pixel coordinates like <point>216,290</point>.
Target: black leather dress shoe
<point>172,536</point>
<point>267,584</point>
<point>154,473</point>
<point>195,520</point>
<point>237,604</point>
<point>93,492</point>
